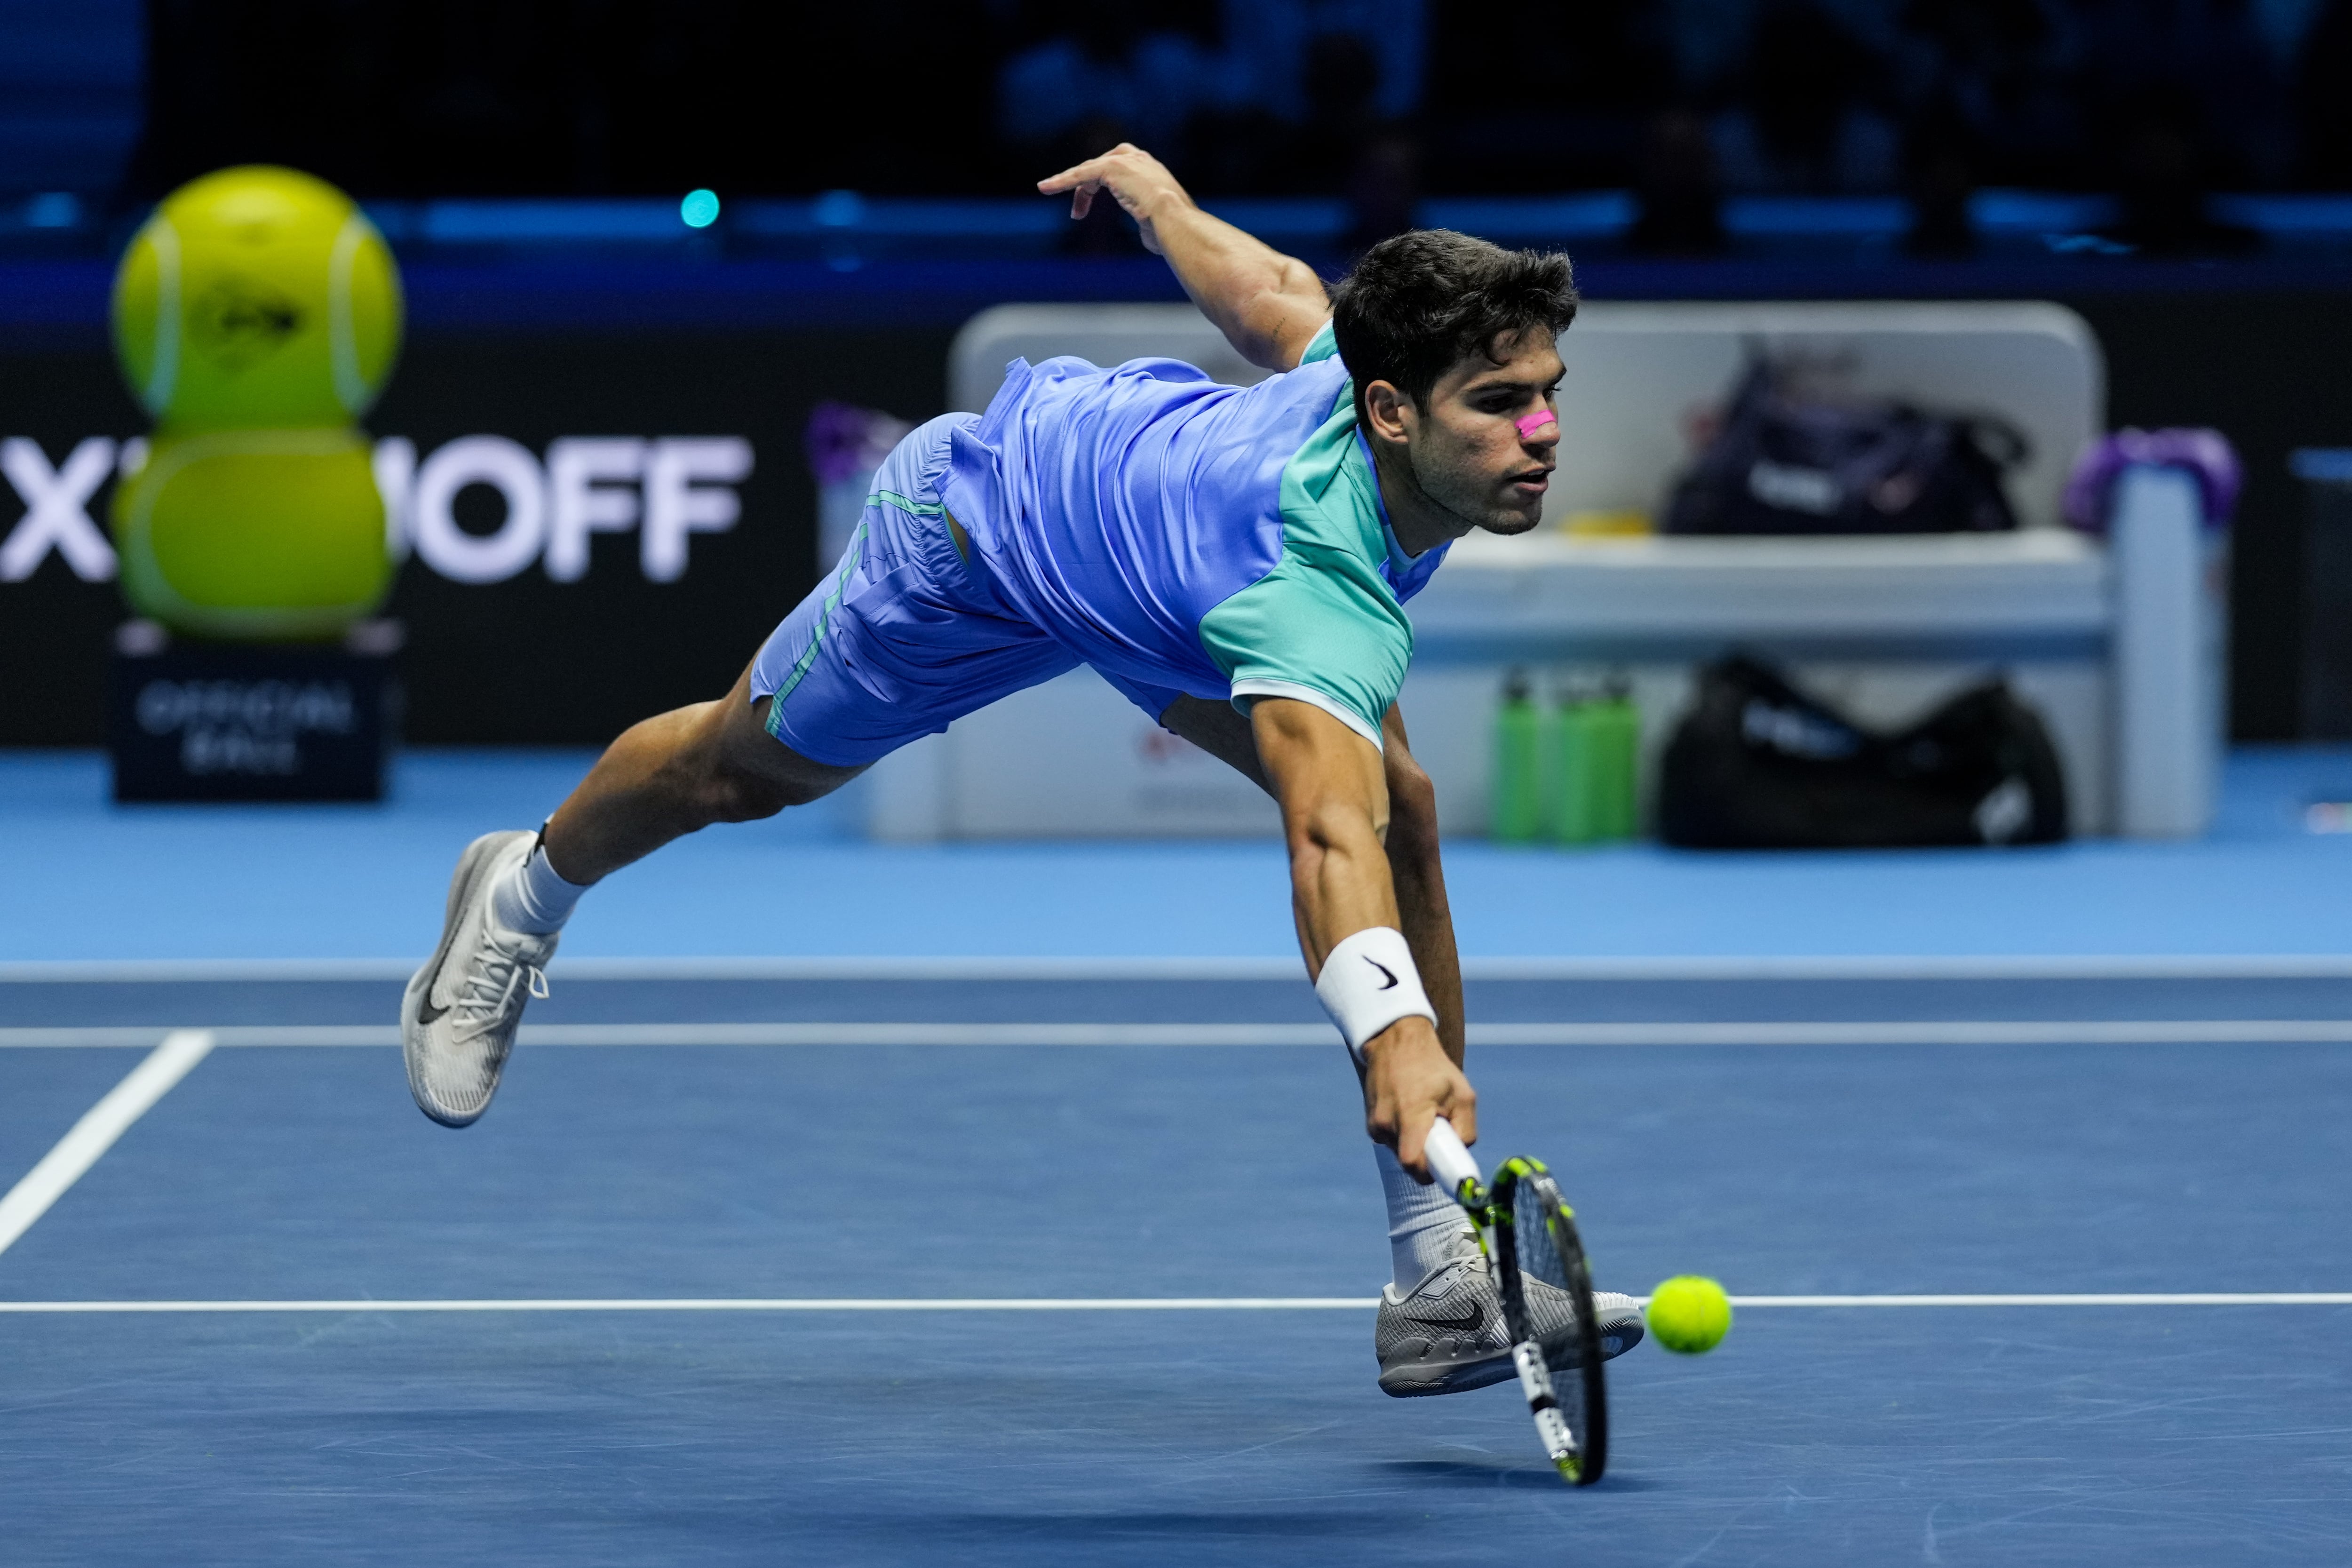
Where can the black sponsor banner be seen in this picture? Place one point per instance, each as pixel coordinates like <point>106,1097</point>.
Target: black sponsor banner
<point>535,657</point>
<point>600,526</point>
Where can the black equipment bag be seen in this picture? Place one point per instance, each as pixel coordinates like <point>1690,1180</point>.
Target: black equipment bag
<point>1757,764</point>
<point>1784,464</point>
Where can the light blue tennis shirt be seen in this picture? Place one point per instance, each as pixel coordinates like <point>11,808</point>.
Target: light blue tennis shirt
<point>1183,536</point>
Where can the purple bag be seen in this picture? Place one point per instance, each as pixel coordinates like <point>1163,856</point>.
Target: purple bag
<point>1787,464</point>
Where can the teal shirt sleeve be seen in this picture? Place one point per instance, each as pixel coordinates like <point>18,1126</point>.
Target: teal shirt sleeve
<point>1322,625</point>
<point>1322,345</point>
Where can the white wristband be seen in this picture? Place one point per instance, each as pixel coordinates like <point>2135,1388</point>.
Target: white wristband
<point>1368,983</point>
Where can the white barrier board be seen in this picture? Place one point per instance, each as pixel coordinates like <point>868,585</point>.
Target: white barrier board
<point>1886,628</point>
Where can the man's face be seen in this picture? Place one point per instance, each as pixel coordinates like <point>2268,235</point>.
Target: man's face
<point>1485,446</point>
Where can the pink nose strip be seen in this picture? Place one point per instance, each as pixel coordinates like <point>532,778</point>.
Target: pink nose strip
<point>1535,422</point>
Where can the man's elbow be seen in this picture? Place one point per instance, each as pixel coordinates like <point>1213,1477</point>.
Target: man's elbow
<point>1284,319</point>
<point>1412,797</point>
<point>1410,785</point>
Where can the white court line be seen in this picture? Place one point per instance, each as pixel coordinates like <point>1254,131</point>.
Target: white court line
<point>1921,966</point>
<point>2152,1299</point>
<point>1659,967</point>
<point>99,1126</point>
<point>1928,1032</point>
<point>1898,1032</point>
<point>1119,1303</point>
<point>744,1304</point>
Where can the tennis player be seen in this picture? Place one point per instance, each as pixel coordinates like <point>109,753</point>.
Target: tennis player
<point>1233,560</point>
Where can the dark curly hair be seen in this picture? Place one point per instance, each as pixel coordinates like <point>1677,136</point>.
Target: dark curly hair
<point>1418,304</point>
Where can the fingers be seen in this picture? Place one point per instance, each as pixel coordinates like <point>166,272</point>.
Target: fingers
<point>1082,179</point>
<point>1081,182</point>
<point>1407,1087</point>
<point>1383,1124</point>
<point>1406,1131</point>
<point>1070,178</point>
<point>1409,1083</point>
<point>1413,1146</point>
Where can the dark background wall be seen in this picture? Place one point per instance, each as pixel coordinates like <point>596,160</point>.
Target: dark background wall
<point>2210,312</point>
<point>422,97</point>
<point>532,661</point>
<point>2273,371</point>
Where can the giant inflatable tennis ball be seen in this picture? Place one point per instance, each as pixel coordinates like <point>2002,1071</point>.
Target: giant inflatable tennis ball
<point>257,297</point>
<point>257,534</point>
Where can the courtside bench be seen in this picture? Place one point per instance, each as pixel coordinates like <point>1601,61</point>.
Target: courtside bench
<point>2116,643</point>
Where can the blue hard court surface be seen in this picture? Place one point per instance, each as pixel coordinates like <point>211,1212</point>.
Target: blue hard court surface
<point>90,881</point>
<point>2014,1435</point>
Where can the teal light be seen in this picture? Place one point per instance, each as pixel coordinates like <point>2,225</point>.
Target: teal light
<point>699,210</point>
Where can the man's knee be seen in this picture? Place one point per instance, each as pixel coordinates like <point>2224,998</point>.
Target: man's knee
<point>731,793</point>
<point>731,789</point>
<point>745,774</point>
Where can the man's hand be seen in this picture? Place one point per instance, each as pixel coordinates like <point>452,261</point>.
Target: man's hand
<point>1409,1083</point>
<point>1138,181</point>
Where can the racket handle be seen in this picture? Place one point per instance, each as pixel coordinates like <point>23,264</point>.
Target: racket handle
<point>1450,1161</point>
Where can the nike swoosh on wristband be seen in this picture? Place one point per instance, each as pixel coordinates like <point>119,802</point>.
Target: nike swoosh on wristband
<point>1384,969</point>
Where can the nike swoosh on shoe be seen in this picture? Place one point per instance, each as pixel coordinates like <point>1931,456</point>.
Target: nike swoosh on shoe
<point>1476,1320</point>
<point>427,1013</point>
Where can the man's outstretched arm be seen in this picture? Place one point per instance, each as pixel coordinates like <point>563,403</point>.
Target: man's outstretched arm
<point>1420,880</point>
<point>1268,305</point>
<point>1415,868</point>
<point>1334,790</point>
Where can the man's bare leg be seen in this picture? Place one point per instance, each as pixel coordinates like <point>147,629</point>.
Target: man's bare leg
<point>512,892</point>
<point>676,774</point>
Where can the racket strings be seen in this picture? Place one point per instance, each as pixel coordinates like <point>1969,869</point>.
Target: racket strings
<point>1546,1292</point>
<point>1547,1295</point>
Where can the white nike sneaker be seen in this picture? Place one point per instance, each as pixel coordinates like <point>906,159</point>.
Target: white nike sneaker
<point>457,1018</point>
<point>1446,1333</point>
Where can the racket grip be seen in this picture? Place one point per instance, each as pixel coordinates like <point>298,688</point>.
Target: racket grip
<point>1449,1161</point>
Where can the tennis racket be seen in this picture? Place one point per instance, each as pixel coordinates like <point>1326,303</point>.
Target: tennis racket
<point>1529,1234</point>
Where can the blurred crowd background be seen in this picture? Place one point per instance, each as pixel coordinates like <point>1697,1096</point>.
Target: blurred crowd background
<point>2177,171</point>
<point>1386,101</point>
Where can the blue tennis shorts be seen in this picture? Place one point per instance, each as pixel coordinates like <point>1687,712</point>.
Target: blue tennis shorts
<point>904,635</point>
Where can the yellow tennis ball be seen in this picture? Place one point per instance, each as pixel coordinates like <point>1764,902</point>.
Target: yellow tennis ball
<point>256,298</point>
<point>1689,1314</point>
<point>268,534</point>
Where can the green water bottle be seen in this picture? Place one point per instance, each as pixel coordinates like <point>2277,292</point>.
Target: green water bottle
<point>1518,814</point>
<point>1572,791</point>
<point>1595,743</point>
<point>1615,731</point>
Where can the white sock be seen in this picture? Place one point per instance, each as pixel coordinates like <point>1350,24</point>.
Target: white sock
<point>1425,1227</point>
<point>533,899</point>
